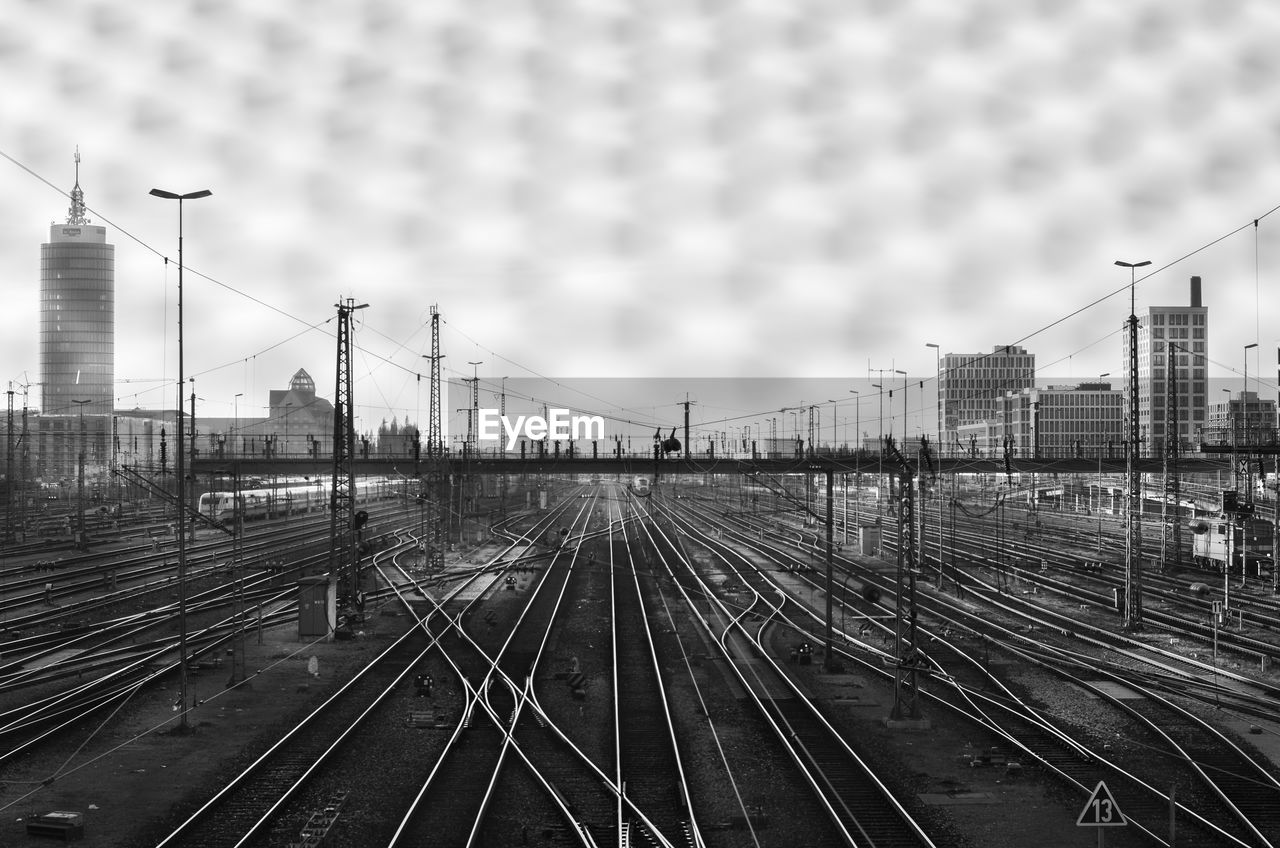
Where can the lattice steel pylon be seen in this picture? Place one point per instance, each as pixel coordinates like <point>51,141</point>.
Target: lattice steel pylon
<point>1172,533</point>
<point>436,490</point>
<point>1133,502</point>
<point>435,447</point>
<point>344,552</point>
<point>906,688</point>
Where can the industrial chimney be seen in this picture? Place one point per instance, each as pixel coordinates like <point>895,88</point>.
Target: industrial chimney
<point>1195,292</point>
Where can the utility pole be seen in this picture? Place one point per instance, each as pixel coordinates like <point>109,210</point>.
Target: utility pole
<point>237,530</point>
<point>24,466</point>
<point>434,445</point>
<point>191,443</point>
<point>342,503</point>
<point>1172,483</point>
<point>81,533</point>
<point>906,690</point>
<point>473,411</point>
<point>1133,519</point>
<point>8,472</point>
<point>685,403</point>
<point>436,488</point>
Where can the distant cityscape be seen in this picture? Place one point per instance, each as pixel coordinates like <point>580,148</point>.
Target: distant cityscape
<point>984,402</point>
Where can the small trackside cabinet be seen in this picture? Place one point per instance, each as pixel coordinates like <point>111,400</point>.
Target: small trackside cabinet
<point>317,607</point>
<point>868,540</point>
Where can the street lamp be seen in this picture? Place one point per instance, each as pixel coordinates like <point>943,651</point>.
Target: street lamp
<point>181,469</point>
<point>1133,537</point>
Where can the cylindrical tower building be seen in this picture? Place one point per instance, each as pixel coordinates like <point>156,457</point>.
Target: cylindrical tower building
<point>77,315</point>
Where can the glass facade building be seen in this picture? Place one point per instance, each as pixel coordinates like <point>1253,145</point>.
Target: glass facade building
<point>77,320</point>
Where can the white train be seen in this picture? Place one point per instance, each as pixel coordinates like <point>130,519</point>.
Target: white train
<point>290,499</point>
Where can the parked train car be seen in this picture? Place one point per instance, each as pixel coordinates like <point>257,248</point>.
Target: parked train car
<point>640,485</point>
<point>1248,541</point>
<point>285,500</point>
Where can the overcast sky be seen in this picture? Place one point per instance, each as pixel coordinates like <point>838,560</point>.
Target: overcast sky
<point>666,188</point>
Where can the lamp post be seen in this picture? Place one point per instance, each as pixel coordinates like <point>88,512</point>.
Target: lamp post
<point>1133,537</point>
<point>181,472</point>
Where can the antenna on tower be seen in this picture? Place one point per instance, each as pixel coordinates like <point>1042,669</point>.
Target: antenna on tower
<point>75,215</point>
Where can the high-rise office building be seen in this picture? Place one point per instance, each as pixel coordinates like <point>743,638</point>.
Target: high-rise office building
<point>77,315</point>
<point>971,385</point>
<point>1173,351</point>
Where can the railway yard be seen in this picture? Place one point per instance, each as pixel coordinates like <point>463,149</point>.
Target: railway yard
<point>646,665</point>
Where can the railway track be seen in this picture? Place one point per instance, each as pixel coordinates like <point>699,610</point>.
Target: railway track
<point>1249,824</point>
<point>863,809</point>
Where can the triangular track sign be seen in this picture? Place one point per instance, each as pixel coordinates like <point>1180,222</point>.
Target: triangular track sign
<point>1101,810</point>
